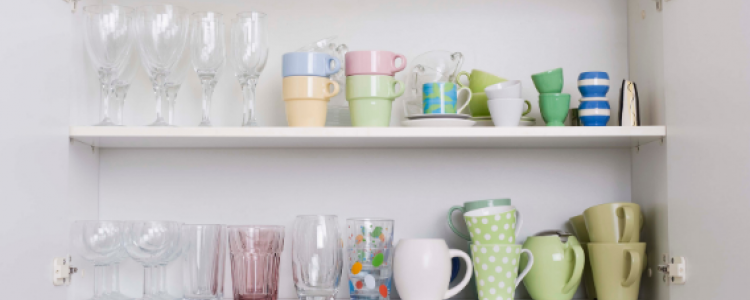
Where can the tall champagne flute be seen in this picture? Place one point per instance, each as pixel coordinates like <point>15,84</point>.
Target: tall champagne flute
<point>317,257</point>
<point>250,52</point>
<point>162,36</point>
<point>207,47</point>
<point>108,37</point>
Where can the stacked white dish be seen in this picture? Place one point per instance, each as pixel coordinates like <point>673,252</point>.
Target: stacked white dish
<point>506,105</point>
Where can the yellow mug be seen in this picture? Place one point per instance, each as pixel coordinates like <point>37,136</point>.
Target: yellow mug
<point>306,99</point>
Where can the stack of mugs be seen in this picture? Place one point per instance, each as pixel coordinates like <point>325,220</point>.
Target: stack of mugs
<point>307,88</point>
<point>371,86</point>
<point>610,235</point>
<point>594,107</point>
<point>505,103</point>
<point>493,227</point>
<point>552,102</point>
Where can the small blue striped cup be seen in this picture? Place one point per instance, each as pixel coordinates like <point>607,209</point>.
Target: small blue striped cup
<point>594,111</point>
<point>593,84</point>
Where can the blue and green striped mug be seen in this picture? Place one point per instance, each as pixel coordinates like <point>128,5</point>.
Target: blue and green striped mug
<point>442,98</point>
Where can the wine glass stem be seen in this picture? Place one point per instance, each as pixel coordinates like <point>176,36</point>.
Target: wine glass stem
<point>116,278</point>
<point>163,279</point>
<point>248,92</point>
<point>120,92</point>
<point>208,90</point>
<point>149,288</point>
<point>100,281</point>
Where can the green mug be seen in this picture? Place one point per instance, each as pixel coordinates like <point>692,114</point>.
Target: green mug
<point>579,228</point>
<point>479,80</point>
<point>554,108</point>
<point>614,223</point>
<point>494,225</point>
<point>371,99</point>
<point>549,81</point>
<point>470,206</point>
<point>478,105</point>
<point>496,269</point>
<point>558,267</point>
<point>617,269</point>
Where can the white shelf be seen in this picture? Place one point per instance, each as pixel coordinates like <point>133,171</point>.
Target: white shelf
<point>351,137</point>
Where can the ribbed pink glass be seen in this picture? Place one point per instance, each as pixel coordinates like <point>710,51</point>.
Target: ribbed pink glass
<point>255,254</point>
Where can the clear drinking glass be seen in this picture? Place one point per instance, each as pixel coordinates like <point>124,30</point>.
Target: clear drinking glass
<point>113,273</point>
<point>162,36</point>
<point>150,243</point>
<point>99,242</point>
<point>316,257</point>
<point>109,38</point>
<point>255,254</point>
<point>369,250</point>
<point>160,270</point>
<point>120,87</point>
<point>250,51</point>
<point>174,81</point>
<point>203,261</point>
<point>207,47</point>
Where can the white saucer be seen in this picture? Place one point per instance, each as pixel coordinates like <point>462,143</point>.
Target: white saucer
<point>444,122</point>
<point>438,116</point>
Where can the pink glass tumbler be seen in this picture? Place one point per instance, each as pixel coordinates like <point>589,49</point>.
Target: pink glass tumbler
<point>255,254</point>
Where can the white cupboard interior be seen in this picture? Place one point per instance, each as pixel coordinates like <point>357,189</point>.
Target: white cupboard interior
<point>66,170</point>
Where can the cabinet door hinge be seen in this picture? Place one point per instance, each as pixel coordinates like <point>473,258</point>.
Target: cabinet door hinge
<point>674,271</point>
<point>62,271</point>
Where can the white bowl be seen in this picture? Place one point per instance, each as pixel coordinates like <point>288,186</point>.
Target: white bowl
<point>507,89</point>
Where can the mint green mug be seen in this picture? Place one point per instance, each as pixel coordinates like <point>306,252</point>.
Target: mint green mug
<point>473,205</point>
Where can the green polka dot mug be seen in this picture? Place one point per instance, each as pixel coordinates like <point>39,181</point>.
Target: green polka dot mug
<point>470,206</point>
<point>494,225</point>
<point>496,269</point>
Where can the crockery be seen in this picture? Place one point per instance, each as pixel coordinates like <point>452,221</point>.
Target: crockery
<point>558,267</point>
<point>470,206</point>
<point>443,122</point>
<point>442,98</point>
<point>439,116</point>
<point>507,89</point>
<point>422,269</point>
<point>549,81</point>
<point>496,269</point>
<point>478,105</point>
<point>617,269</point>
<point>588,275</point>
<point>593,84</point>
<point>371,99</point>
<point>507,112</point>
<point>594,112</point>
<point>554,108</point>
<point>306,98</point>
<point>369,257</point>
<point>373,63</point>
<point>478,80</point>
<point>579,228</point>
<point>614,223</point>
<point>578,223</point>
<point>433,66</point>
<point>494,225</point>
<point>309,64</point>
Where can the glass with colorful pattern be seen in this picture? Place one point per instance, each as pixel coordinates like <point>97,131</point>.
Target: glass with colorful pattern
<point>369,254</point>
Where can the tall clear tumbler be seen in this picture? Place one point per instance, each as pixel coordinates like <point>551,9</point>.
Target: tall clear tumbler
<point>316,257</point>
<point>255,254</point>
<point>369,251</point>
<point>109,38</point>
<point>250,52</point>
<point>162,32</point>
<point>203,261</point>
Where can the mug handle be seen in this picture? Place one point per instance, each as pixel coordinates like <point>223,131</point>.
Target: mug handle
<point>467,101</point>
<point>400,91</point>
<point>403,63</point>
<point>450,222</point>
<point>467,275</point>
<point>629,225</point>
<point>528,110</point>
<point>519,223</point>
<point>580,259</point>
<point>336,67</point>
<point>327,86</point>
<point>458,78</point>
<point>527,268</point>
<point>636,266</point>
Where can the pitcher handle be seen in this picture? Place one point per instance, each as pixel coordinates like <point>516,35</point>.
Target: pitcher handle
<point>450,222</point>
<point>467,275</point>
<point>580,259</point>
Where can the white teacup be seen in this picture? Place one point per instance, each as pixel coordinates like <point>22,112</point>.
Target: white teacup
<point>507,89</point>
<point>507,112</point>
<point>422,269</point>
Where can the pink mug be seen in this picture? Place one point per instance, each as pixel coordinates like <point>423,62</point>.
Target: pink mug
<point>373,63</point>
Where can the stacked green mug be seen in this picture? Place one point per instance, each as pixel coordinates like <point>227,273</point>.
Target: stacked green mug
<point>553,104</point>
<point>493,226</point>
<point>610,235</point>
<point>371,87</point>
<point>478,81</point>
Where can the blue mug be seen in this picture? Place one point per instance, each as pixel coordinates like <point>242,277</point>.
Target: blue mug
<point>442,98</point>
<point>309,64</point>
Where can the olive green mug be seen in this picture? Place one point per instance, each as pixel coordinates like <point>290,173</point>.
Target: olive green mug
<point>478,80</point>
<point>614,223</point>
<point>473,205</point>
<point>617,269</point>
<point>579,228</point>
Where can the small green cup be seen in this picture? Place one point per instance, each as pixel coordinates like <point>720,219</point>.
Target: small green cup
<point>554,108</point>
<point>470,206</point>
<point>549,81</point>
<point>371,99</point>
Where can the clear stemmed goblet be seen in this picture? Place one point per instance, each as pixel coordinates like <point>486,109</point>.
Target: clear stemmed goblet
<point>160,270</point>
<point>316,257</point>
<point>113,273</point>
<point>109,38</point>
<point>120,87</point>
<point>99,242</point>
<point>162,36</point>
<point>250,51</point>
<point>149,243</point>
<point>208,54</point>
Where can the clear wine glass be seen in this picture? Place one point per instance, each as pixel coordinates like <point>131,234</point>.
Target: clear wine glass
<point>208,53</point>
<point>161,268</point>
<point>109,38</point>
<point>250,52</point>
<point>120,87</point>
<point>316,257</point>
<point>99,242</point>
<point>150,243</point>
<point>174,81</point>
<point>162,36</point>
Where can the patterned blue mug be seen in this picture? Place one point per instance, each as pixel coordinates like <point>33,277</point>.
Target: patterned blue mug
<point>442,98</point>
